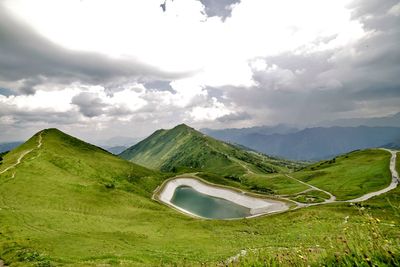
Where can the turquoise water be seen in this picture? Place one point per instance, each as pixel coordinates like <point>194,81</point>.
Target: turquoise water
<point>207,206</point>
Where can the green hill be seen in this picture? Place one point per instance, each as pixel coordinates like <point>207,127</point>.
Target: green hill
<point>68,157</point>
<point>350,175</point>
<point>64,202</point>
<point>183,149</point>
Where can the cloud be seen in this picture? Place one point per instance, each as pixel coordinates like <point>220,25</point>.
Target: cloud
<point>30,58</point>
<point>225,63</point>
<point>221,8</point>
<point>183,39</point>
<point>89,104</point>
<point>211,111</point>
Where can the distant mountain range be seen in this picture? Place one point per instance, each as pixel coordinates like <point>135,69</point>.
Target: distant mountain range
<point>310,143</point>
<point>393,145</point>
<point>117,144</point>
<point>9,146</point>
<point>236,134</point>
<point>115,149</point>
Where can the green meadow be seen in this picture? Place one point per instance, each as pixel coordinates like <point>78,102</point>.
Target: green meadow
<point>351,175</point>
<point>69,203</point>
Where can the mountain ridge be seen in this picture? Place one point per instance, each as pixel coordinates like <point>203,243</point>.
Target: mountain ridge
<point>316,143</point>
<point>182,147</point>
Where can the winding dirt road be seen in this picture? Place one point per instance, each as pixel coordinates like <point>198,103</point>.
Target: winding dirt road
<point>331,199</point>
<point>394,183</point>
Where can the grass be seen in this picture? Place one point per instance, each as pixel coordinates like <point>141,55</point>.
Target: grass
<point>183,149</point>
<point>64,212</point>
<point>366,235</point>
<point>273,184</point>
<point>312,196</point>
<point>277,184</point>
<point>362,245</point>
<point>351,175</point>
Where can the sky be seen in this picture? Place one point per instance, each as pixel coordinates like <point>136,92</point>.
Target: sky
<point>101,68</point>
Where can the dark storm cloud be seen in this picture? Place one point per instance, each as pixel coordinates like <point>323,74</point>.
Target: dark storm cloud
<point>26,55</point>
<point>363,9</point>
<point>89,104</point>
<point>29,84</point>
<point>218,8</point>
<point>360,79</point>
<point>22,118</point>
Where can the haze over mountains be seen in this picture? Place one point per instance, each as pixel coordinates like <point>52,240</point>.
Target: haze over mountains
<point>326,140</point>
<point>8,146</point>
<point>317,142</point>
<point>391,120</point>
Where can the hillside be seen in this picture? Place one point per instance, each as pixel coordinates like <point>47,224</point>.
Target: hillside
<point>64,202</point>
<point>350,175</point>
<point>70,157</point>
<point>312,143</point>
<point>55,184</point>
<point>185,149</point>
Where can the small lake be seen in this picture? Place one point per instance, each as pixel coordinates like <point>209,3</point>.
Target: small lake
<point>207,206</point>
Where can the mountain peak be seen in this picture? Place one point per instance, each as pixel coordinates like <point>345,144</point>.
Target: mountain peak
<point>185,149</point>
<point>183,126</point>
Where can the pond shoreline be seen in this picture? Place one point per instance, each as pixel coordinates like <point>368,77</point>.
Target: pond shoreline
<point>258,205</point>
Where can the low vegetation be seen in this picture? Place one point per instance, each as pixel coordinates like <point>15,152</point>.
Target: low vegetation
<point>183,149</point>
<point>312,196</point>
<point>363,244</point>
<point>278,184</point>
<point>351,175</point>
<point>72,204</point>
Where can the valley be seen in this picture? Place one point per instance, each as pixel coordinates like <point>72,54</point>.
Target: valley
<point>199,133</point>
<point>57,191</point>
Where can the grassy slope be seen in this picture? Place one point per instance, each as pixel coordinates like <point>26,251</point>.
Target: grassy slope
<point>350,175</point>
<point>367,235</point>
<point>52,212</point>
<point>275,183</point>
<point>184,149</point>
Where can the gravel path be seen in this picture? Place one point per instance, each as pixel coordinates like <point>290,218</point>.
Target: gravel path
<point>332,199</point>
<point>393,184</point>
